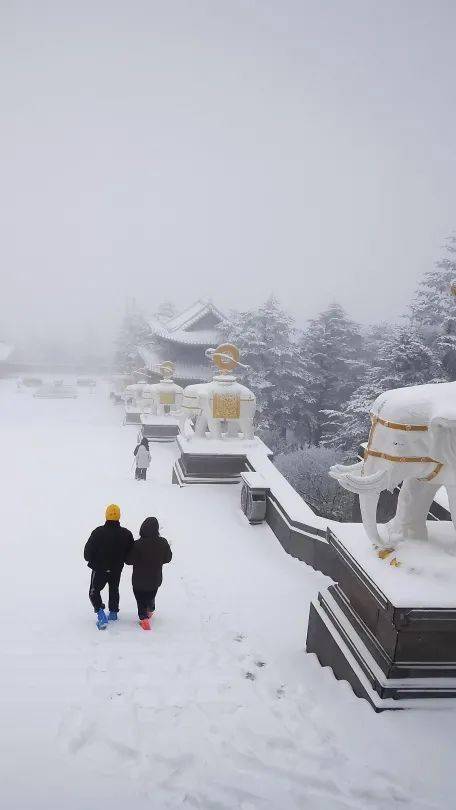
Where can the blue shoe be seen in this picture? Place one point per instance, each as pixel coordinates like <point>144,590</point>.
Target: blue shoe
<point>102,621</point>
<point>112,616</point>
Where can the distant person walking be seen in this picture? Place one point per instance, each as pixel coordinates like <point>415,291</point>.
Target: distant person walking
<point>142,459</point>
<point>105,552</point>
<point>147,556</point>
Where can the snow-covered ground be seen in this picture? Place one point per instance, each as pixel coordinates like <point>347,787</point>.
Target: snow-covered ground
<point>219,706</point>
<point>426,575</point>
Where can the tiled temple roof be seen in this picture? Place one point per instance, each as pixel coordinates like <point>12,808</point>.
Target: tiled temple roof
<point>199,372</point>
<point>178,329</point>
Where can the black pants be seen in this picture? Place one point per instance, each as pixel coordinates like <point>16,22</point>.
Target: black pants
<point>98,581</point>
<point>145,601</point>
<point>141,473</point>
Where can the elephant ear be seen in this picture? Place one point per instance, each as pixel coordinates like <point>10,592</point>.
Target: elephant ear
<point>442,435</point>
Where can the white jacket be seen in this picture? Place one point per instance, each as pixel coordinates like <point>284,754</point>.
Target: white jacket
<point>142,457</point>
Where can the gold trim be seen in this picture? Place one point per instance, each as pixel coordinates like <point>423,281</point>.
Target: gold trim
<point>434,473</point>
<point>383,553</point>
<point>226,406</point>
<point>411,459</point>
<point>226,357</point>
<point>377,420</point>
<point>167,398</point>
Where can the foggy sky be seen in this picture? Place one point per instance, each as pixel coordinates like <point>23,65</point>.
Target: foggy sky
<point>225,149</point>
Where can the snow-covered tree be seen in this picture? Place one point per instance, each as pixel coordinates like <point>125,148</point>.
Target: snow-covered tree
<point>277,374</point>
<point>433,310</point>
<point>307,471</point>
<point>403,359</point>
<point>165,311</point>
<point>132,333</point>
<point>332,350</point>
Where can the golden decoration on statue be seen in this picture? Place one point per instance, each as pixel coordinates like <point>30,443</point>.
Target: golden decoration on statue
<point>167,369</point>
<point>226,357</point>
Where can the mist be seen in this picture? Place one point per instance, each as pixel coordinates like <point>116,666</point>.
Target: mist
<point>226,150</point>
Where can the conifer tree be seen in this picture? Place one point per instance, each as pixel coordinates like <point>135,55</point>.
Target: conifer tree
<point>133,332</point>
<point>333,352</point>
<point>403,360</point>
<point>433,310</point>
<point>165,311</point>
<point>276,372</point>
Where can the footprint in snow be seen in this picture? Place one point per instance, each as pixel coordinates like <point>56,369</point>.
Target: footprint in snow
<point>249,676</point>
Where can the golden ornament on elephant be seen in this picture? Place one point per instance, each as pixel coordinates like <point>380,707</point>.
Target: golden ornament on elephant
<point>167,369</point>
<point>226,357</point>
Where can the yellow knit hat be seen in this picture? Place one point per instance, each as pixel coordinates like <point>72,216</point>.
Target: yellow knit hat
<point>113,512</point>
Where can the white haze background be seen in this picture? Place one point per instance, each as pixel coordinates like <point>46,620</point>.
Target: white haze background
<point>224,149</point>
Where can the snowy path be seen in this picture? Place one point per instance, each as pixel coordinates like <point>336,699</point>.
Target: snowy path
<point>219,707</point>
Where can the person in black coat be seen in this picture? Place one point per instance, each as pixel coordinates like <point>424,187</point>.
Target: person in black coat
<point>147,556</point>
<point>105,552</point>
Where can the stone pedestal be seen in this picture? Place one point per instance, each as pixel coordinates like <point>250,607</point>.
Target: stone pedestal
<point>213,461</point>
<point>159,428</point>
<point>387,631</point>
<point>132,416</point>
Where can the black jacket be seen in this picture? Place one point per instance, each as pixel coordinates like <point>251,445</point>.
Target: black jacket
<point>108,546</point>
<point>147,556</point>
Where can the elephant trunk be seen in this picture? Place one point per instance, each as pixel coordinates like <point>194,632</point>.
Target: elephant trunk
<point>351,478</point>
<point>368,487</point>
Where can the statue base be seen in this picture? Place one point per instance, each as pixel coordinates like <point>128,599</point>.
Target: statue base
<point>389,631</point>
<point>132,417</point>
<point>213,461</point>
<point>159,428</point>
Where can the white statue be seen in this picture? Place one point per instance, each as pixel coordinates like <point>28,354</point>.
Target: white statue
<point>223,406</point>
<point>133,394</point>
<point>412,442</point>
<point>164,397</point>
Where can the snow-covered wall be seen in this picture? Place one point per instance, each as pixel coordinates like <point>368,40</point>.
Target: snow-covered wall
<point>300,531</point>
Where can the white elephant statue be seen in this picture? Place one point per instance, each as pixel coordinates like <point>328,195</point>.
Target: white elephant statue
<point>223,401</point>
<point>133,394</point>
<point>162,398</point>
<point>412,442</point>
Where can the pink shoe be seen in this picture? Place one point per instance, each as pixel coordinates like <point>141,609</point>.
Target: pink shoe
<point>145,624</point>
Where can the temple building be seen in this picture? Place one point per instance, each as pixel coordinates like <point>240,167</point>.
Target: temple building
<point>183,339</point>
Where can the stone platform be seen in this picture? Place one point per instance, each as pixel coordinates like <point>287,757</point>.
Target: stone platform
<point>214,461</point>
<point>132,417</point>
<point>159,428</point>
<point>390,630</point>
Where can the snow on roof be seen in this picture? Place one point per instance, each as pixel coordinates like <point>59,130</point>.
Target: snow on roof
<point>200,372</point>
<point>190,371</point>
<point>204,337</point>
<point>193,314</point>
<point>176,330</point>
